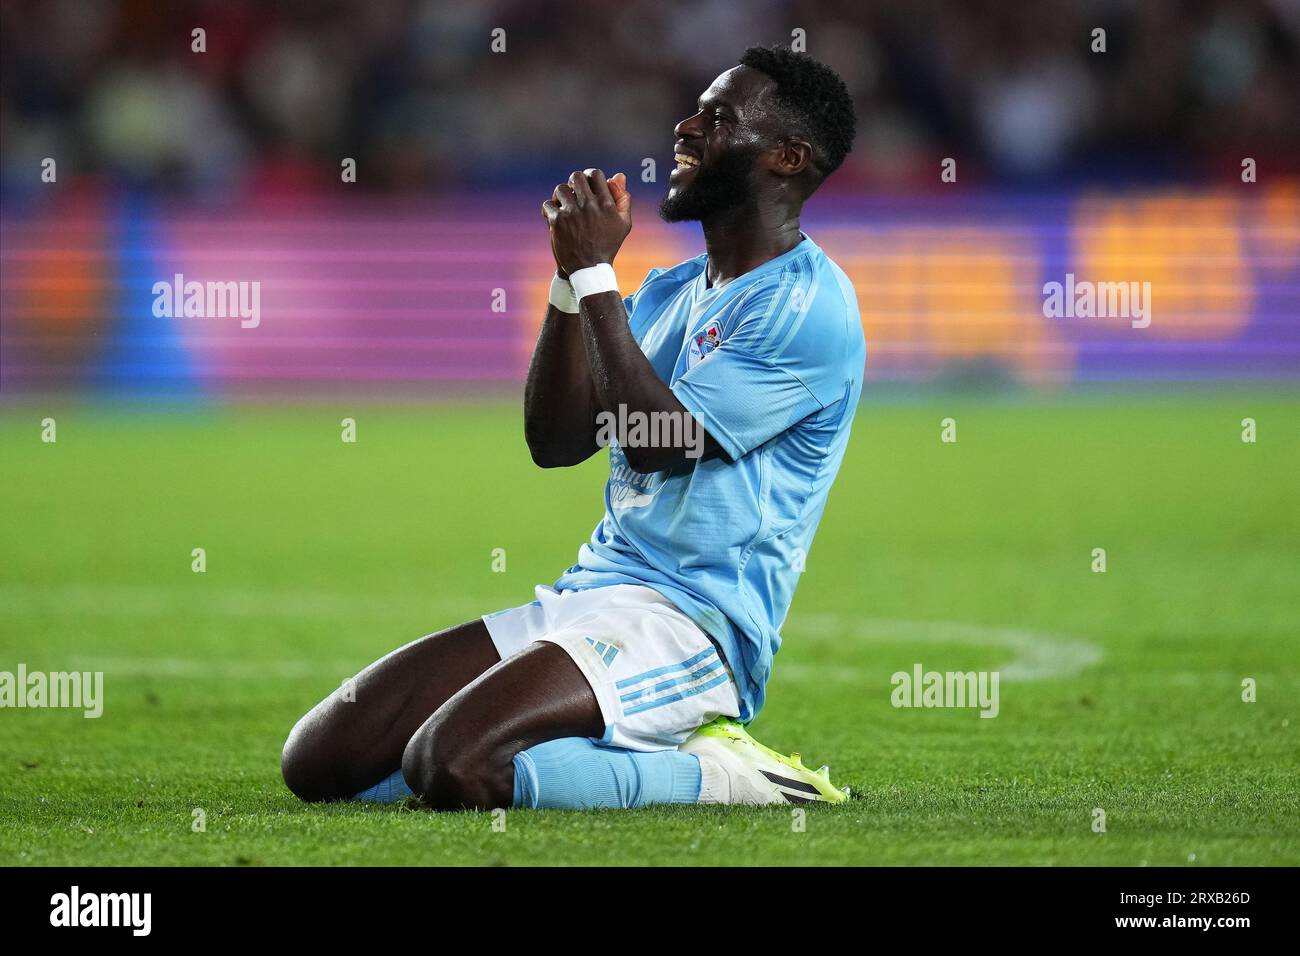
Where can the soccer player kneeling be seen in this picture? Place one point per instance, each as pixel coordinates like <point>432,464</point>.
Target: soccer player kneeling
<point>725,388</point>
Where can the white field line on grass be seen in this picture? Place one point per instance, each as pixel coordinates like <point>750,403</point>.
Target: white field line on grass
<point>212,667</point>
<point>1035,655</point>
<point>136,601</point>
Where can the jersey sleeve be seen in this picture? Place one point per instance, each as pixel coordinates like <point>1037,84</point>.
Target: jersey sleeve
<point>788,355</point>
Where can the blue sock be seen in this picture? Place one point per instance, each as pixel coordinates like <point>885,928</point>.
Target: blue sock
<point>389,790</point>
<point>573,773</point>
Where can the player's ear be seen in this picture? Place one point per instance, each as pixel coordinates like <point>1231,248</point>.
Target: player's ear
<point>791,157</point>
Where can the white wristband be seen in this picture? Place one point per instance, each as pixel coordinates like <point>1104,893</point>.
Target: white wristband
<point>562,296</point>
<point>593,279</point>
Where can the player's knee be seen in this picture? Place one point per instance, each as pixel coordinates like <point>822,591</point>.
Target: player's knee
<point>447,776</point>
<point>305,769</point>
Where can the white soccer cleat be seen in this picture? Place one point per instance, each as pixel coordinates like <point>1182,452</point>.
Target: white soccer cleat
<point>736,768</point>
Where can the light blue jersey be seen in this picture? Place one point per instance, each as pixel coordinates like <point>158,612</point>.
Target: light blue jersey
<point>772,365</point>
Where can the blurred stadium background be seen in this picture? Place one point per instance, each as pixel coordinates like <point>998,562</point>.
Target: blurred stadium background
<point>225,166</point>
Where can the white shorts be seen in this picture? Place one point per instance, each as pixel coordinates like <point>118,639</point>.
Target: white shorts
<point>656,675</point>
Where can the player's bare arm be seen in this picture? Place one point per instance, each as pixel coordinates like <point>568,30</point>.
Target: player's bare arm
<point>560,402</point>
<point>588,227</point>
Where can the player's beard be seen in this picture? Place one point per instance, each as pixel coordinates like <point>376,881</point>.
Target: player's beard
<point>717,188</point>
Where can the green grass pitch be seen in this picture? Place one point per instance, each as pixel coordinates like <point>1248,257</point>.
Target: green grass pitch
<point>1121,691</point>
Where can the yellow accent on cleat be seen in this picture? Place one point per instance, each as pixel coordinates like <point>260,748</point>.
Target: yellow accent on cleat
<point>782,779</point>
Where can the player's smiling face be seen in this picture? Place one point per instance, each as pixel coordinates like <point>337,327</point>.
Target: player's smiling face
<point>717,148</point>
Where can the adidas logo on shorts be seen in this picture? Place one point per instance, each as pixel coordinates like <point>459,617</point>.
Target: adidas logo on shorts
<point>607,652</point>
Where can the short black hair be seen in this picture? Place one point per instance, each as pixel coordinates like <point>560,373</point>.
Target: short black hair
<point>813,99</point>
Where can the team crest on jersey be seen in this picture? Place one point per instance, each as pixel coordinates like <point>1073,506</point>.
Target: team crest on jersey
<point>703,343</point>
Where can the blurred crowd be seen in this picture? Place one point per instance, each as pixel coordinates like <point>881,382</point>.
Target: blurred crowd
<point>414,91</point>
